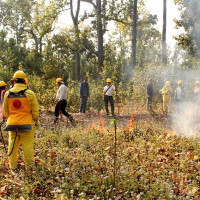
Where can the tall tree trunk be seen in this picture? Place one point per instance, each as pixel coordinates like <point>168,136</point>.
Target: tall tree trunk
<point>77,42</point>
<point>134,34</point>
<point>40,45</point>
<point>100,36</point>
<point>77,54</point>
<point>164,45</point>
<point>78,65</point>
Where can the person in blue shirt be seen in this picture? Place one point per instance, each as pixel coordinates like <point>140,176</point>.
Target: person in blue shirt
<point>84,94</point>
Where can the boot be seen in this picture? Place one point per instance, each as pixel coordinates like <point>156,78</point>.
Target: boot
<point>55,120</point>
<point>71,119</point>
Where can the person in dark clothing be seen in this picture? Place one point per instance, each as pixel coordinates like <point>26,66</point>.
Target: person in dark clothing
<point>84,94</point>
<point>150,95</point>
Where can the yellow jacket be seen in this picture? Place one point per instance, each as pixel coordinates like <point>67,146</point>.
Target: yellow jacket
<point>34,108</point>
<point>167,90</point>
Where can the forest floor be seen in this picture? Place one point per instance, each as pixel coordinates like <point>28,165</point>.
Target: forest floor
<point>145,159</point>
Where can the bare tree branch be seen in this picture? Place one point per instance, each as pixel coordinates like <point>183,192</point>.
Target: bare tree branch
<point>91,2</point>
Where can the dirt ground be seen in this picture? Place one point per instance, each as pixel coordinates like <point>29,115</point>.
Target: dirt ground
<point>124,115</point>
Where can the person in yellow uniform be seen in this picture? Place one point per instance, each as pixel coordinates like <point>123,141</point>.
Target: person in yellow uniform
<point>2,93</point>
<point>166,94</point>
<point>22,111</point>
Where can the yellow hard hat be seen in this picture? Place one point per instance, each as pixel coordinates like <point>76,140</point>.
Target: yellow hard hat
<point>197,82</point>
<point>109,80</point>
<point>26,80</point>
<point>59,80</point>
<point>2,83</point>
<point>180,82</point>
<point>19,74</point>
<point>167,83</point>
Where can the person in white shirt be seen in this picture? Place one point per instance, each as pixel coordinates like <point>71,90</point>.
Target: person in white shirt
<point>179,96</point>
<point>62,101</point>
<point>108,96</point>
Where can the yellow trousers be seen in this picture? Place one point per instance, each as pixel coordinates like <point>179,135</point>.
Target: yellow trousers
<point>166,103</point>
<point>26,139</point>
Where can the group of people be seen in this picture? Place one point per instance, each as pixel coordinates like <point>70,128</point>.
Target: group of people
<point>19,109</point>
<point>168,93</point>
<point>84,95</point>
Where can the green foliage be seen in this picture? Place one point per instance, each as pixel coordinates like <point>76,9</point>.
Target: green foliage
<point>153,163</point>
<point>189,12</point>
<point>45,90</point>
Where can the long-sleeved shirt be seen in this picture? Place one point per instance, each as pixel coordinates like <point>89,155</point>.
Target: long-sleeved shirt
<point>1,104</point>
<point>84,89</point>
<point>167,90</point>
<point>179,93</point>
<point>62,93</point>
<point>34,108</point>
<point>150,90</point>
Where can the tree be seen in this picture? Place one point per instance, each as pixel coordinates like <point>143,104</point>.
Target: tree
<point>190,22</point>
<point>30,18</point>
<point>164,45</point>
<point>100,31</point>
<point>134,34</point>
<point>76,31</point>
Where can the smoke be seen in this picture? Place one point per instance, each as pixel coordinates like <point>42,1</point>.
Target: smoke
<point>185,119</point>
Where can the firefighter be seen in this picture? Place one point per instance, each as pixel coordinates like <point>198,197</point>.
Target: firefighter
<point>179,96</point>
<point>108,96</point>
<point>22,111</point>
<point>196,97</point>
<point>2,93</point>
<point>62,101</point>
<point>166,94</point>
<point>196,90</point>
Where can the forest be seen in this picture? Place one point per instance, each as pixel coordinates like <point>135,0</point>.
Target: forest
<point>136,153</point>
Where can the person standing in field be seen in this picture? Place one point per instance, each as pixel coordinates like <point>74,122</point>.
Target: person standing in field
<point>21,109</point>
<point>179,96</point>
<point>149,95</point>
<point>166,94</point>
<point>2,93</point>
<point>196,97</point>
<point>84,94</point>
<point>61,96</point>
<point>108,96</point>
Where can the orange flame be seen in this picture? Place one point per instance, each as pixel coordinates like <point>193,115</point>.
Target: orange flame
<point>99,126</point>
<point>130,125</point>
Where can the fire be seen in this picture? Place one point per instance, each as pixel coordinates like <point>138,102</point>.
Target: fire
<point>102,128</point>
<point>131,125</point>
<point>99,126</point>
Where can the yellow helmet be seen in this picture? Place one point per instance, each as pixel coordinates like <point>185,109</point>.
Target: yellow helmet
<point>197,82</point>
<point>2,83</point>
<point>109,80</point>
<point>19,74</point>
<point>168,83</point>
<point>26,81</point>
<point>179,82</point>
<point>59,80</point>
